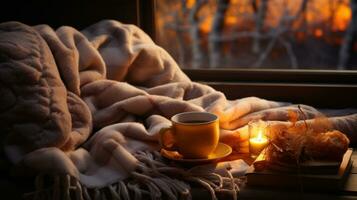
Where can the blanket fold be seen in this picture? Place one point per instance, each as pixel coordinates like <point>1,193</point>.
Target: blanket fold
<point>84,103</point>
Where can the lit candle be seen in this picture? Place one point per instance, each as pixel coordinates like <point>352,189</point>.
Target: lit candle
<point>257,144</point>
<point>257,139</point>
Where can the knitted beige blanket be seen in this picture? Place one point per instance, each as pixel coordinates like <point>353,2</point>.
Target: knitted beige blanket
<point>85,107</point>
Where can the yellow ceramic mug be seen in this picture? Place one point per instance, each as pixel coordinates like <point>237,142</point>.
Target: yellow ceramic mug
<point>192,134</point>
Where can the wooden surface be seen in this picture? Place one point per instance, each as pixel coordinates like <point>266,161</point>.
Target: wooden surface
<point>311,87</point>
<point>249,75</point>
<point>317,95</point>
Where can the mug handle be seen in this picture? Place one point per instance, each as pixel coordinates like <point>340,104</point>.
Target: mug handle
<point>167,139</point>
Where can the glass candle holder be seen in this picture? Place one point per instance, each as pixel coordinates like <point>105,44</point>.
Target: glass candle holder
<point>258,139</point>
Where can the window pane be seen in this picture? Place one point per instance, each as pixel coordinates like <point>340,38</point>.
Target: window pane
<point>282,34</point>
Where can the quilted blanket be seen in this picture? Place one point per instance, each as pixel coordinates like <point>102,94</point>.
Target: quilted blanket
<point>84,104</point>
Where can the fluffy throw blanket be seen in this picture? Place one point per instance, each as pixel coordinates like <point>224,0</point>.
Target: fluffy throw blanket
<point>82,105</point>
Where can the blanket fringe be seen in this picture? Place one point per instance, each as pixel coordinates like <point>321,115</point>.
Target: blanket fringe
<point>153,179</point>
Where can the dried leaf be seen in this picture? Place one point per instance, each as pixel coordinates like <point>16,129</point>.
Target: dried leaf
<point>293,116</point>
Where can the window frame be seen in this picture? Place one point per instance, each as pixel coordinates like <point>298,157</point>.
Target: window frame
<point>320,88</point>
<point>145,16</point>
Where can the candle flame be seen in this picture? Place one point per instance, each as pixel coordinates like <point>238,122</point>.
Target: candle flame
<point>318,33</point>
<point>260,135</point>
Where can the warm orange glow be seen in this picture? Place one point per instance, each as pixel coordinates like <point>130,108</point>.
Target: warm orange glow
<point>343,16</point>
<point>321,18</point>
<point>258,143</point>
<point>206,25</point>
<point>230,20</point>
<point>318,12</point>
<point>235,1</point>
<point>318,32</point>
<point>190,3</point>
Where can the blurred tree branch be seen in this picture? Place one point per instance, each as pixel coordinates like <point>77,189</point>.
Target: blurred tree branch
<point>350,38</point>
<point>215,46</point>
<point>197,52</point>
<point>259,23</point>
